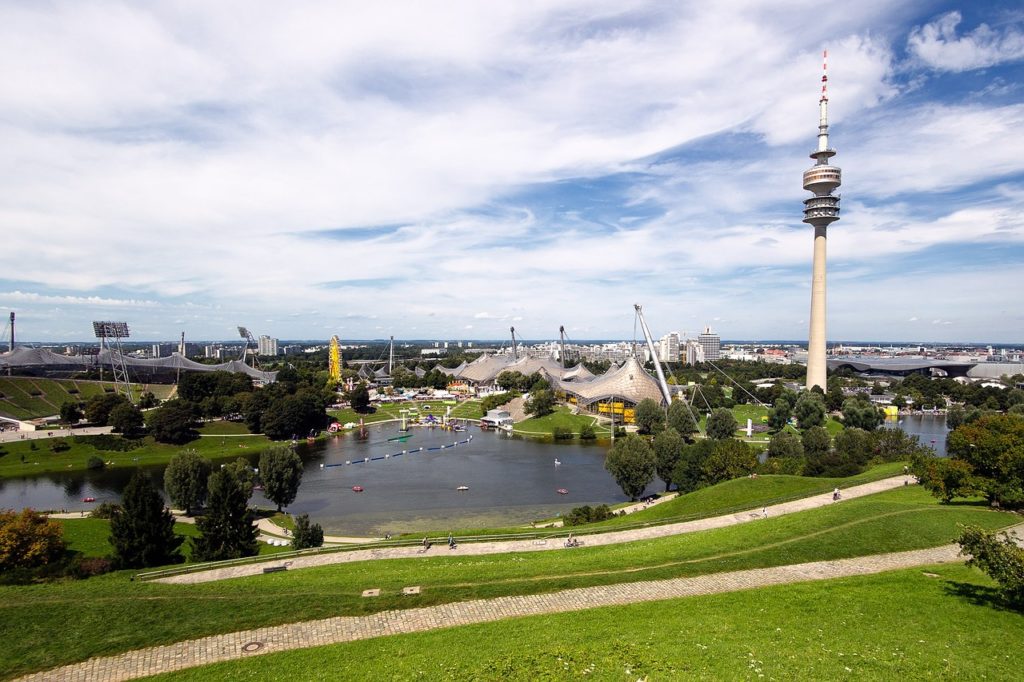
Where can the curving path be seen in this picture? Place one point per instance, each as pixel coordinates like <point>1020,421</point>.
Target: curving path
<point>533,545</point>
<point>237,645</point>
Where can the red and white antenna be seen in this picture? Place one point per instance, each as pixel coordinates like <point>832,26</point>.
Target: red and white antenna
<point>824,75</point>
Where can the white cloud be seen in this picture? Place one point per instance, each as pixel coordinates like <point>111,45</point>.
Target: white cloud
<point>937,45</point>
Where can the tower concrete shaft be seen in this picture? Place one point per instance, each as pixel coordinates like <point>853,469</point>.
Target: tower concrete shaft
<point>820,211</point>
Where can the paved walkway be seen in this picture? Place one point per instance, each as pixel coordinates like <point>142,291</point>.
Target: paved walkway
<point>534,545</point>
<point>246,643</point>
<point>11,436</point>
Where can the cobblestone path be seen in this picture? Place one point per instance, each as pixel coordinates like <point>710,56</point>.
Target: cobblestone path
<point>237,645</point>
<point>532,545</point>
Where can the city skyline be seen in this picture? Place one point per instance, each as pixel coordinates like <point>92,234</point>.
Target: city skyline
<point>447,172</point>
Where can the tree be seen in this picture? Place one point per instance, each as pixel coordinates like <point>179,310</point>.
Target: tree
<point>944,478</point>
<point>541,402</point>
<point>99,407</point>
<point>721,424</point>
<point>28,540</point>
<point>816,442</point>
<point>955,416</point>
<point>631,464</point>
<point>243,474</point>
<point>809,410</point>
<point>359,398</point>
<point>291,415</point>
<point>860,413</point>
<point>173,423</point>
<point>70,413</point>
<point>307,535</point>
<point>185,480</point>
<point>785,444</point>
<point>142,531</point>
<point>226,530</point>
<point>998,556</point>
<point>668,446</point>
<point>680,418</point>
<point>730,458</point>
<point>649,416</point>
<point>779,415</point>
<point>689,472</point>
<point>854,446</point>
<point>147,400</point>
<point>993,447</point>
<point>281,473</point>
<point>126,418</point>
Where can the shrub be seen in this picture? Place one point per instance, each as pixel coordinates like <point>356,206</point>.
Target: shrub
<point>587,514</point>
<point>999,557</point>
<point>35,393</point>
<point>307,534</point>
<point>59,445</point>
<point>105,510</point>
<point>587,432</point>
<point>561,433</point>
<point>95,462</point>
<point>90,566</point>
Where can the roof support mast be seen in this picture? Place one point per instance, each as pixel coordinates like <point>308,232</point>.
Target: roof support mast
<point>561,336</point>
<point>654,355</point>
<point>515,351</point>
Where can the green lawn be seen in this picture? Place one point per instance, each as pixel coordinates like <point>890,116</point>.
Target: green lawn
<point>66,622</point>
<point>223,428</point>
<point>38,457</point>
<point>30,397</point>
<point>562,417</point>
<point>469,410</point>
<point>897,625</point>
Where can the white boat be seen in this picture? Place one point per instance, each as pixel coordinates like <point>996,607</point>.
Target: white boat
<point>462,488</point>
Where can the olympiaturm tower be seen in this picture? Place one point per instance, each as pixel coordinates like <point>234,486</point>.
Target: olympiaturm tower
<point>821,210</point>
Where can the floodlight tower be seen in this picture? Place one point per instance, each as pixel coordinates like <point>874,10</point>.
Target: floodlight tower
<point>820,211</point>
<point>244,333</point>
<point>115,330</point>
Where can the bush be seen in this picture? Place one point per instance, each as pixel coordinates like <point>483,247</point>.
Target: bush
<point>561,433</point>
<point>95,463</point>
<point>587,432</point>
<point>105,510</point>
<point>496,400</point>
<point>59,445</point>
<point>90,566</point>
<point>587,514</point>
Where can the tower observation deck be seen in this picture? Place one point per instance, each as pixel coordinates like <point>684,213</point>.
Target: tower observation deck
<point>820,211</point>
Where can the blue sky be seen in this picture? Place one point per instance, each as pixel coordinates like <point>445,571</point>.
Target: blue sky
<point>447,170</point>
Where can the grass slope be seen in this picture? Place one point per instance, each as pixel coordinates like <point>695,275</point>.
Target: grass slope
<point>72,621</point>
<point>898,625</point>
<point>30,397</point>
<point>563,417</point>
<point>38,457</point>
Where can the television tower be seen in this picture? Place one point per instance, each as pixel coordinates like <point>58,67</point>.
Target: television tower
<point>821,210</point>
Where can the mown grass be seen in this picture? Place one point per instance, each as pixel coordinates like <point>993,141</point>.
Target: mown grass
<point>897,625</point>
<point>90,538</point>
<point>469,409</point>
<point>72,621</point>
<point>39,458</point>
<point>223,428</point>
<point>562,417</point>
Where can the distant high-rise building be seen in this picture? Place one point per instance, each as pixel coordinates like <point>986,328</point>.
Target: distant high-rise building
<point>694,352</point>
<point>267,346</point>
<point>710,344</point>
<point>668,347</point>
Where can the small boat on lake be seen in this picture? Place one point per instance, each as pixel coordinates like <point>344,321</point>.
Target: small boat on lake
<point>357,488</point>
<point>562,491</point>
<point>462,488</point>
<point>88,499</point>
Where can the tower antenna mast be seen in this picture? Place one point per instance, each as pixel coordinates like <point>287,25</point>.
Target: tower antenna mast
<point>820,211</point>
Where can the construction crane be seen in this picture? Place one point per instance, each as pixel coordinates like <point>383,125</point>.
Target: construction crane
<point>654,355</point>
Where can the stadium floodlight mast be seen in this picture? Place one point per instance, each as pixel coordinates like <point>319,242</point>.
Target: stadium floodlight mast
<point>105,331</point>
<point>244,333</point>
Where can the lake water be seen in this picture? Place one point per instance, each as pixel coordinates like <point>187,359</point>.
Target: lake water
<point>510,481</point>
<point>930,429</point>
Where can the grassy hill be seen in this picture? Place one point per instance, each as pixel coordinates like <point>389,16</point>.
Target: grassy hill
<point>72,621</point>
<point>31,397</point>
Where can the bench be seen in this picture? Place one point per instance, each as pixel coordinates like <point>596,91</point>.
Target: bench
<point>275,569</point>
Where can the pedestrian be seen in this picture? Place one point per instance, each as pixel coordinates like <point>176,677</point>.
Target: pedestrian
<point>764,511</point>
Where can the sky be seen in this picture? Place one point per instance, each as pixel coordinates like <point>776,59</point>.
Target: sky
<point>446,170</point>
